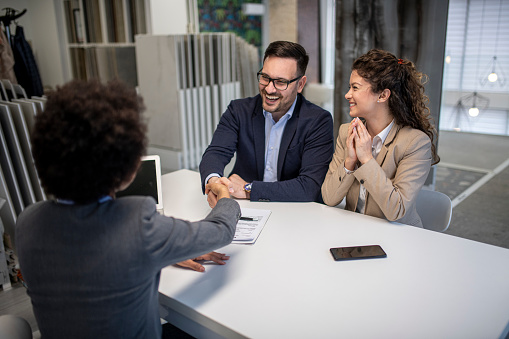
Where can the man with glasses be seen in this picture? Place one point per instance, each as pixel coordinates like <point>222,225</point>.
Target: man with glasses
<point>283,143</point>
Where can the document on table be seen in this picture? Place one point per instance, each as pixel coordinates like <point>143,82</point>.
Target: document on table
<point>250,225</point>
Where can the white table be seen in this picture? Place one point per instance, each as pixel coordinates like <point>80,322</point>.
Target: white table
<point>287,285</point>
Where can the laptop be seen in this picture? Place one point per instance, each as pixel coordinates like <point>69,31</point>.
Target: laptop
<point>147,181</point>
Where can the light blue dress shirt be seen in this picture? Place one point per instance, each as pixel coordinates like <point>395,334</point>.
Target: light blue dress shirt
<point>273,133</point>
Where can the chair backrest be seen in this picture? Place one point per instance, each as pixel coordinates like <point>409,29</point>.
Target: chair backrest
<point>435,210</point>
<point>14,327</point>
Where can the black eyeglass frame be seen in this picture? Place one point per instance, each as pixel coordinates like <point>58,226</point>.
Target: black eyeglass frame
<point>287,82</point>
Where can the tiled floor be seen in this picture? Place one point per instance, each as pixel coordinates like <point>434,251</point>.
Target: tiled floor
<point>453,181</point>
<point>467,160</point>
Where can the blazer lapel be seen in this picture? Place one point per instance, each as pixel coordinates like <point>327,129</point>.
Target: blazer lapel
<point>388,141</point>
<point>258,121</point>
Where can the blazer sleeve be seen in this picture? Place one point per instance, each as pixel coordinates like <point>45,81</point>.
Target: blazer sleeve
<point>396,196</point>
<point>222,147</point>
<point>169,240</point>
<point>337,182</point>
<point>317,153</point>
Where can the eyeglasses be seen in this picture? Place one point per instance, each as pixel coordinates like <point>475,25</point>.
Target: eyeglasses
<point>279,84</point>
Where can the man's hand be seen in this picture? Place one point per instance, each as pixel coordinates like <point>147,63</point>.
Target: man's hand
<point>212,256</point>
<point>215,187</point>
<point>238,187</point>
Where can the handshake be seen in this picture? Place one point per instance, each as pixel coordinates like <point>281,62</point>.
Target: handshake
<point>218,188</point>
<point>215,189</point>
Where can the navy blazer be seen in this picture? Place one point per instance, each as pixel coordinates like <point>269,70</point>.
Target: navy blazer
<point>306,149</point>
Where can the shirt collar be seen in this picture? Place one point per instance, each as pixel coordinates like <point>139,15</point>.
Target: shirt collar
<point>379,139</point>
<point>383,135</point>
<point>289,113</point>
<point>72,202</point>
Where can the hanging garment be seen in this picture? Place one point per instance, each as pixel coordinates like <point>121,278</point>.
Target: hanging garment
<point>25,67</point>
<point>6,59</point>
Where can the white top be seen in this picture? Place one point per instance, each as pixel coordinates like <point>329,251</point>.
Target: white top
<point>378,142</point>
<point>287,285</point>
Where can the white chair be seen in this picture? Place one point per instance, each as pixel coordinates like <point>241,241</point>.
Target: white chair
<point>14,327</point>
<point>435,210</point>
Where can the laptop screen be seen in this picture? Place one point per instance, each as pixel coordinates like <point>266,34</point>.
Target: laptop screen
<point>147,181</point>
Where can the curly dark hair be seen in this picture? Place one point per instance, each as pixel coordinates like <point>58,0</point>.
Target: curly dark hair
<point>287,49</point>
<point>89,139</point>
<point>407,102</point>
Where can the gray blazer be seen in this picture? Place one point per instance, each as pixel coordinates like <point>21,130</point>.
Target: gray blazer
<point>93,270</point>
<point>392,180</point>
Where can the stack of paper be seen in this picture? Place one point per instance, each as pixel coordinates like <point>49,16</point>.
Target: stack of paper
<point>250,225</point>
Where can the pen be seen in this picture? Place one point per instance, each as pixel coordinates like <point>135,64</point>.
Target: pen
<point>248,218</point>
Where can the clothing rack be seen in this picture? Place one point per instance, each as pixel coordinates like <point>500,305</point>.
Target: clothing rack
<point>11,14</point>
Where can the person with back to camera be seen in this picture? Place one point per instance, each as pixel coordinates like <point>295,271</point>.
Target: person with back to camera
<point>283,143</point>
<point>92,262</point>
<point>380,164</point>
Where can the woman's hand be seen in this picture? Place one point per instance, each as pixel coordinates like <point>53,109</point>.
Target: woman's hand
<point>351,154</point>
<point>216,257</point>
<point>363,142</point>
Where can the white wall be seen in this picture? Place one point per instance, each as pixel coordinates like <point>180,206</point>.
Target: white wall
<point>40,27</point>
<point>18,5</point>
<point>167,17</point>
<point>49,40</point>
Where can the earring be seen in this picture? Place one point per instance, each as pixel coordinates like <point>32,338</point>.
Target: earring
<point>378,101</point>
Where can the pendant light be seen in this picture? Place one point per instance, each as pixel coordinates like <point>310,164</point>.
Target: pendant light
<point>494,73</point>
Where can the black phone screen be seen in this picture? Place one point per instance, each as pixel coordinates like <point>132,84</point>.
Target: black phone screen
<point>358,252</point>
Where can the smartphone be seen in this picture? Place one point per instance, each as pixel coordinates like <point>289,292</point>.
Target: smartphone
<point>357,252</point>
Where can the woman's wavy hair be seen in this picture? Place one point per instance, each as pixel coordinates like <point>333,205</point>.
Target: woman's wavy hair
<point>407,102</point>
<point>89,139</point>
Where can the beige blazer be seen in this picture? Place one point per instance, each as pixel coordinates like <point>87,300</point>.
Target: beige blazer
<point>392,181</point>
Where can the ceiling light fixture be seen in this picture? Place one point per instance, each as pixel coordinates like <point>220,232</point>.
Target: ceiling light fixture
<point>494,73</point>
<point>471,106</point>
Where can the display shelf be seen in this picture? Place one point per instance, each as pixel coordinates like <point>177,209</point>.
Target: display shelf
<point>104,21</point>
<point>100,38</point>
<point>187,81</point>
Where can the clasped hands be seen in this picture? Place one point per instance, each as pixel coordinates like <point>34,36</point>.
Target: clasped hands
<point>235,185</point>
<point>358,145</point>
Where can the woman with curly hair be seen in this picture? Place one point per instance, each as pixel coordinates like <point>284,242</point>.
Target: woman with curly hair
<point>383,156</point>
<point>91,261</point>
